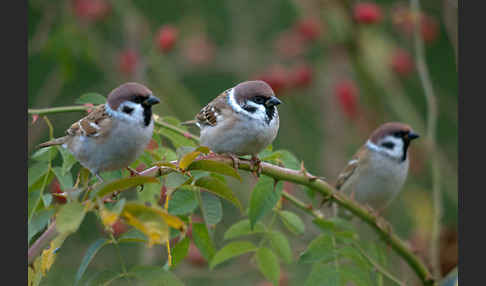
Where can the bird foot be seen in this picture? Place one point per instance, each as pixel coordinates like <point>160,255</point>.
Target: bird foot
<point>256,166</point>
<point>235,159</point>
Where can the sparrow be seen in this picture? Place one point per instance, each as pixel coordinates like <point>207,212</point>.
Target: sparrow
<point>114,134</point>
<point>377,172</point>
<point>242,120</point>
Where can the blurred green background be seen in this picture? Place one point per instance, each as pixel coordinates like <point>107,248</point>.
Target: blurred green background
<point>340,72</point>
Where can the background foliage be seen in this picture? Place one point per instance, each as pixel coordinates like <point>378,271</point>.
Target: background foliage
<point>340,72</point>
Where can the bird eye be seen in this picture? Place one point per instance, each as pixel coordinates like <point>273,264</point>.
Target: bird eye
<point>388,145</point>
<point>259,99</point>
<point>127,110</point>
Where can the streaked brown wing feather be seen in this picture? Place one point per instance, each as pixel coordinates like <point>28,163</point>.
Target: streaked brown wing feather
<point>96,123</point>
<point>208,114</point>
<point>350,168</point>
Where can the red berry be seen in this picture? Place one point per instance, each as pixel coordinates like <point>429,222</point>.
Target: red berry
<point>34,118</point>
<point>401,62</point>
<point>301,76</point>
<point>309,29</point>
<point>194,256</point>
<point>166,38</point>
<point>91,10</point>
<point>347,93</point>
<point>367,13</point>
<point>276,77</point>
<point>119,228</point>
<point>56,189</point>
<point>128,62</point>
<point>429,28</point>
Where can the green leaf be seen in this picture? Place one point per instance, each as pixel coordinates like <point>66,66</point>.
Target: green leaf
<point>281,245</point>
<point>321,248</point>
<point>88,256</point>
<point>122,184</point>
<point>183,201</point>
<point>231,250</point>
<point>155,276</point>
<point>38,222</point>
<point>242,228</point>
<point>187,159</point>
<point>219,188</point>
<point>292,222</point>
<point>36,172</point>
<point>202,240</point>
<point>68,159</point>
<point>91,97</point>
<point>174,180</point>
<point>323,274</point>
<point>102,277</point>
<point>180,250</point>
<point>263,198</point>
<point>212,208</point>
<point>216,167</point>
<point>45,154</point>
<point>288,159</point>
<point>65,180</point>
<point>268,264</point>
<point>70,217</point>
<point>358,276</point>
<point>133,235</point>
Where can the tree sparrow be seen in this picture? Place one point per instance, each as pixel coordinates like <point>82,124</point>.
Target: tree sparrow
<point>114,134</point>
<point>376,173</point>
<point>243,120</point>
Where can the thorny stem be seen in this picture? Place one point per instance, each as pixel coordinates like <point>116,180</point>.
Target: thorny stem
<point>378,224</point>
<point>431,137</point>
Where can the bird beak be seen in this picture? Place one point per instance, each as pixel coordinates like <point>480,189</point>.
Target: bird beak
<point>412,135</point>
<point>272,101</point>
<point>151,100</point>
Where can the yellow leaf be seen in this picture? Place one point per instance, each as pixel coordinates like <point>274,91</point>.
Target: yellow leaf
<point>188,159</point>
<point>108,218</point>
<point>171,220</point>
<point>48,256</point>
<point>156,232</point>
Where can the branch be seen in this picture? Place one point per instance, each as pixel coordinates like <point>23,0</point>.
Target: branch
<point>300,177</point>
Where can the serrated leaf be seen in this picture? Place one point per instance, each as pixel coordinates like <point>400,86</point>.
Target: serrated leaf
<point>38,222</point>
<point>183,201</point>
<point>321,248</point>
<point>281,245</point>
<point>323,274</point>
<point>91,97</point>
<point>263,198</point>
<point>216,167</point>
<point>122,184</point>
<point>70,217</point>
<point>203,241</point>
<point>268,264</point>
<point>242,228</point>
<point>211,208</point>
<point>68,160</point>
<point>180,250</point>
<point>219,188</point>
<point>174,180</point>
<point>231,250</point>
<point>292,222</point>
<point>155,276</point>
<point>88,256</point>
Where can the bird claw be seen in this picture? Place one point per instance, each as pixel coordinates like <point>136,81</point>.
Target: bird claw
<point>256,162</point>
<point>234,158</point>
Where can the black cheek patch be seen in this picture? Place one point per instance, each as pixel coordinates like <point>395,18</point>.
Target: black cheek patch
<point>388,145</point>
<point>249,108</point>
<point>127,110</point>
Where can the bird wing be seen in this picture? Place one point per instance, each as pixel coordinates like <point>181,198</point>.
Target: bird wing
<point>350,168</point>
<point>208,116</point>
<point>96,124</point>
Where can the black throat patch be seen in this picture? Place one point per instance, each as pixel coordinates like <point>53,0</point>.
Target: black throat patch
<point>147,115</point>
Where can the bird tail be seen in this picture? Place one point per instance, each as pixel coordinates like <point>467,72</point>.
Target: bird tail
<point>190,122</point>
<point>57,141</point>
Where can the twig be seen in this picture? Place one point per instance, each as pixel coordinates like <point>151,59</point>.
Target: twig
<point>431,137</point>
<point>44,240</point>
<point>44,111</point>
